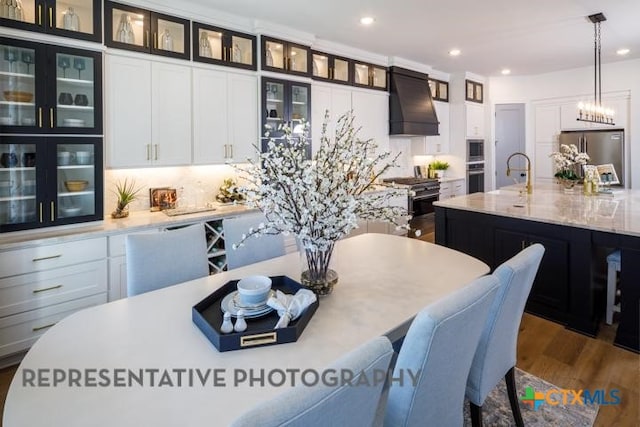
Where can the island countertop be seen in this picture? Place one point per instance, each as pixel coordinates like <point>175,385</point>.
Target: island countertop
<point>618,213</point>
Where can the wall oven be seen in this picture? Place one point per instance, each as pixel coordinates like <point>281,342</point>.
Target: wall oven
<point>475,178</point>
<point>475,150</point>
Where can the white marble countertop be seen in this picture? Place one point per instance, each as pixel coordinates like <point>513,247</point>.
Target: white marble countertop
<point>618,213</point>
<point>138,220</point>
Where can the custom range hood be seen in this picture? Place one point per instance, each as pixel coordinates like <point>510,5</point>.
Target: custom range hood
<point>411,110</point>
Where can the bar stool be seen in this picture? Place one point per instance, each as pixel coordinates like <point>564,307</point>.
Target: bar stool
<point>613,267</point>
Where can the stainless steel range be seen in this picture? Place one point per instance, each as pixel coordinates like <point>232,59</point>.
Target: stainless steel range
<point>425,191</point>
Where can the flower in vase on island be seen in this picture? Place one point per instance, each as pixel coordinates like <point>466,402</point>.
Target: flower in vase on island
<point>320,200</point>
<point>566,161</point>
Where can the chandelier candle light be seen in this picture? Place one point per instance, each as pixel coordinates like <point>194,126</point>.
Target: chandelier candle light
<point>595,112</point>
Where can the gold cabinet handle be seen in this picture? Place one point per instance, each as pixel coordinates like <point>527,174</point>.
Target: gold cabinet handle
<point>231,148</point>
<point>40,118</point>
<point>40,216</point>
<point>224,53</point>
<point>50,288</point>
<point>46,257</point>
<point>51,117</point>
<point>155,146</point>
<point>225,151</point>
<point>40,14</point>
<point>155,40</point>
<point>146,40</point>
<point>39,328</point>
<point>53,211</point>
<point>148,151</point>
<point>50,17</point>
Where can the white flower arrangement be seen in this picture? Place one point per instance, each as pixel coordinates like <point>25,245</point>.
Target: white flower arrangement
<point>566,159</point>
<point>319,200</point>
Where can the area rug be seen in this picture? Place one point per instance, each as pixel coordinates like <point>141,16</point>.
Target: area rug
<point>496,411</point>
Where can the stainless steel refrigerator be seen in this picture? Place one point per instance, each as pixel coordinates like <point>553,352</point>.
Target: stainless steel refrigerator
<point>602,146</point>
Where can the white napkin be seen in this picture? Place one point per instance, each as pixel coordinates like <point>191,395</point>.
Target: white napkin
<point>290,307</point>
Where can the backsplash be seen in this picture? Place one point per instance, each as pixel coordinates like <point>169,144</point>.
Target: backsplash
<point>199,184</point>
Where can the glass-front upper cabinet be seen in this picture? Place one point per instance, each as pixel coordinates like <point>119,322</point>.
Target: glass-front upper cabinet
<point>49,89</point>
<point>48,181</point>
<point>285,57</point>
<point>216,45</point>
<point>20,164</point>
<point>369,75</point>
<point>284,103</point>
<point>331,68</point>
<point>133,28</point>
<point>80,19</point>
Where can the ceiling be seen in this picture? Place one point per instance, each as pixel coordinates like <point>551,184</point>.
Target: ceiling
<point>528,37</point>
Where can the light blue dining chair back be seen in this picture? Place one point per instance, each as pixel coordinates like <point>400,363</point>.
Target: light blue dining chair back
<point>495,356</point>
<point>438,349</point>
<point>324,405</point>
<point>254,249</point>
<point>159,259</point>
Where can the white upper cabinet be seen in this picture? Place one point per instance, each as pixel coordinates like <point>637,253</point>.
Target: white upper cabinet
<point>371,111</point>
<point>148,113</point>
<point>475,120</point>
<point>547,123</point>
<point>225,116</point>
<point>337,100</point>
<point>435,144</point>
<point>128,109</point>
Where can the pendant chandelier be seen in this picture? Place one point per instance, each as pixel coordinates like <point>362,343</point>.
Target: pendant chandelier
<point>595,112</point>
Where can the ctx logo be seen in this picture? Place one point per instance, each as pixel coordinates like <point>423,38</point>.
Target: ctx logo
<point>554,397</point>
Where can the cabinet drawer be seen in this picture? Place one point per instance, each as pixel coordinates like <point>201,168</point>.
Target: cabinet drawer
<point>445,187</point>
<point>20,331</point>
<point>36,290</point>
<point>45,257</point>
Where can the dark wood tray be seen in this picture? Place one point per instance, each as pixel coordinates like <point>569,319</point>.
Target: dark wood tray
<point>207,315</point>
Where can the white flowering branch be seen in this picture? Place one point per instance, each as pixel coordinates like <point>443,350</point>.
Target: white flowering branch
<point>319,200</point>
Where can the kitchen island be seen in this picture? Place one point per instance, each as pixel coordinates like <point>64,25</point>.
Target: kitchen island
<point>577,231</point>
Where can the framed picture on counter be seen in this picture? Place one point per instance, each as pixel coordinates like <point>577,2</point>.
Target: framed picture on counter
<point>162,198</point>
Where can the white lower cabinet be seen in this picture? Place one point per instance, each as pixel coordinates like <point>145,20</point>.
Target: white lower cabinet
<point>452,188</point>
<point>41,285</point>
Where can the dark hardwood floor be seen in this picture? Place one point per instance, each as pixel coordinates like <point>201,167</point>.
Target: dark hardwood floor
<point>548,350</point>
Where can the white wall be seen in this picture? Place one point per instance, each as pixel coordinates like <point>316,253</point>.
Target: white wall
<point>618,76</point>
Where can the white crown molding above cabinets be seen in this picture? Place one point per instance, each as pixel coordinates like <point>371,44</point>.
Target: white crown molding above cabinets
<point>350,52</point>
<point>283,32</point>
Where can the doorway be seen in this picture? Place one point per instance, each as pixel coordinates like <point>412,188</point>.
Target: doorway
<point>510,138</point>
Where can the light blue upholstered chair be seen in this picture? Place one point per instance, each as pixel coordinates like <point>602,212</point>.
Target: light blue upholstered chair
<point>254,249</point>
<point>495,357</point>
<point>329,406</point>
<point>439,347</point>
<point>165,258</point>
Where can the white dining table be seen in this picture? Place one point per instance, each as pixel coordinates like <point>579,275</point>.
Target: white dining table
<point>384,281</point>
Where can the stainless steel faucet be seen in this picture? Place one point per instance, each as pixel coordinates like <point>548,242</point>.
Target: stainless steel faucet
<point>527,170</point>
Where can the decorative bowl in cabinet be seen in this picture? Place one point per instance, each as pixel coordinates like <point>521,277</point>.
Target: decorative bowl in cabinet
<point>76,185</point>
<point>17,96</point>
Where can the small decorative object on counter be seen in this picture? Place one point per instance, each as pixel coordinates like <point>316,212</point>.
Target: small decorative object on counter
<point>229,192</point>
<point>127,193</point>
<point>320,200</point>
<point>227,326</point>
<point>567,161</point>
<point>241,324</point>
<point>290,307</point>
<point>438,167</point>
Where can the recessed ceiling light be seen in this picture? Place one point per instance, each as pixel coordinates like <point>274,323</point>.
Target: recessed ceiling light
<point>454,52</point>
<point>367,20</point>
<point>623,51</point>
<point>505,71</point>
